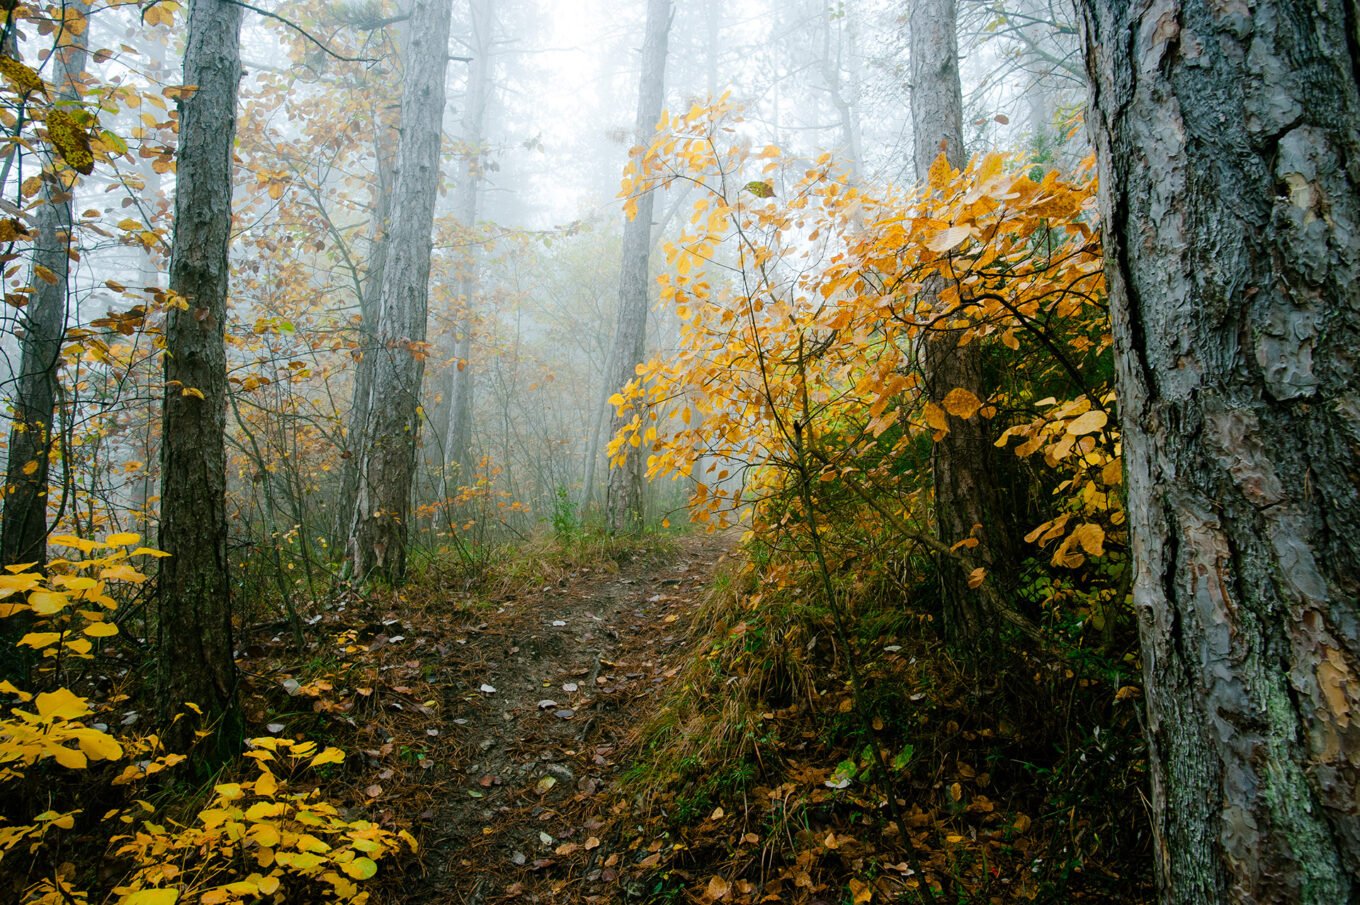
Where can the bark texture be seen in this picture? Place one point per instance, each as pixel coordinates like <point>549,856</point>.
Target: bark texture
<point>377,544</point>
<point>1230,193</point>
<point>24,529</point>
<point>623,503</point>
<point>967,499</point>
<point>195,650</point>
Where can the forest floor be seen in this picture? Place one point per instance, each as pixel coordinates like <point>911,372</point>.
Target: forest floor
<point>598,722</point>
<point>541,694</point>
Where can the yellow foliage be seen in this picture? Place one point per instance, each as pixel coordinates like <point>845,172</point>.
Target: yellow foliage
<point>254,838</point>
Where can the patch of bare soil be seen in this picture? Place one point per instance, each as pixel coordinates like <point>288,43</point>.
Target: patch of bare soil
<point>540,696</point>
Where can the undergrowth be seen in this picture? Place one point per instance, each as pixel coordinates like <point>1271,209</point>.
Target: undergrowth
<point>1018,778</point>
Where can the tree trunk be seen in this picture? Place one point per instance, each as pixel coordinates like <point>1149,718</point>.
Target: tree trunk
<point>377,545</point>
<point>195,653</point>
<point>458,443</point>
<point>623,506</point>
<point>1230,196</point>
<point>369,310</point>
<point>966,493</point>
<point>23,530</point>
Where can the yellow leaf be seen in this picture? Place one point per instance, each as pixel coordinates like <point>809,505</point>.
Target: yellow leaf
<point>47,603</point>
<point>328,756</point>
<point>23,79</point>
<point>861,892</point>
<point>98,745</point>
<point>101,629</point>
<point>961,403</point>
<point>1091,537</point>
<point>192,391</point>
<point>360,868</point>
<point>70,141</point>
<point>266,784</point>
<point>62,704</point>
<point>30,466</point>
<point>936,420</point>
<point>147,551</point>
<point>948,239</point>
<point>39,640</point>
<point>123,539</point>
<point>151,896</point>
<point>1088,423</point>
<point>70,540</point>
<point>69,758</point>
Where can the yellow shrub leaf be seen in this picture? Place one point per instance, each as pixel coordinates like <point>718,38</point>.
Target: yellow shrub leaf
<point>62,704</point>
<point>98,745</point>
<point>151,897</point>
<point>123,539</point>
<point>961,403</point>
<point>69,758</point>
<point>1088,423</point>
<point>101,629</point>
<point>1091,537</point>
<point>361,868</point>
<point>328,756</point>
<point>47,603</point>
<point>948,239</point>
<point>936,420</point>
<point>39,640</point>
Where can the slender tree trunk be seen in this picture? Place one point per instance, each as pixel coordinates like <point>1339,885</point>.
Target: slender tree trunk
<point>966,496</point>
<point>623,508</point>
<point>369,309</point>
<point>24,528</point>
<point>1229,146</point>
<point>377,545</point>
<point>458,444</point>
<point>195,653</point>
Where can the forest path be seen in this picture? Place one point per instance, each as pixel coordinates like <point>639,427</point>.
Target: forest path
<point>575,668</point>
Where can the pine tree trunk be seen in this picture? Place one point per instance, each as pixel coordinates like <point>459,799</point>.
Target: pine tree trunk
<point>967,499</point>
<point>195,650</point>
<point>623,505</point>
<point>382,512</point>
<point>1229,145</point>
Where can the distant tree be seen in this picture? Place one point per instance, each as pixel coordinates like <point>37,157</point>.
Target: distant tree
<point>623,507</point>
<point>458,442</point>
<point>967,497</point>
<point>1228,141</point>
<point>382,513</point>
<point>195,641</point>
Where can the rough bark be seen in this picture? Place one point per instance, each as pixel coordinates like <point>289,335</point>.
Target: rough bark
<point>377,544</point>
<point>24,529</point>
<point>966,493</point>
<point>458,442</point>
<point>195,633</point>
<point>623,505</point>
<point>1229,146</point>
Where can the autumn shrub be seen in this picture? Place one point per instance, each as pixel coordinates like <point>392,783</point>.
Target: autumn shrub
<point>69,734</point>
<point>804,374</point>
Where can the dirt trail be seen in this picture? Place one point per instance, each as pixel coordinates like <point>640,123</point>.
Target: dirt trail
<point>542,694</point>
